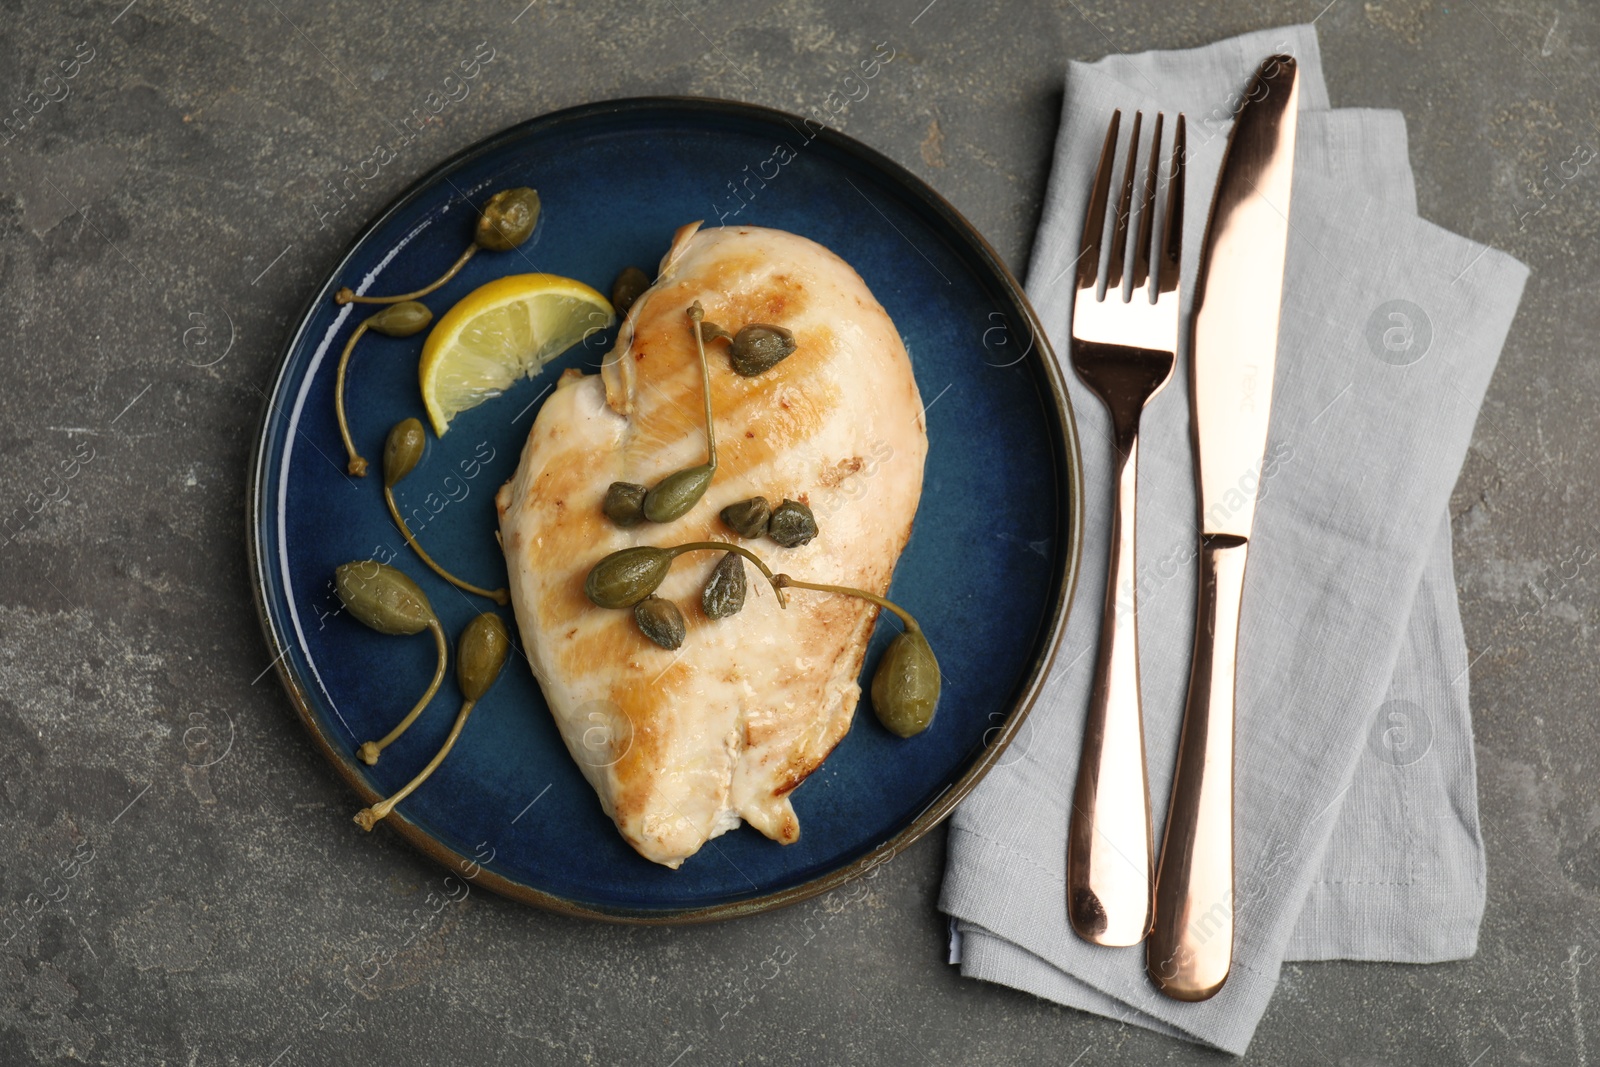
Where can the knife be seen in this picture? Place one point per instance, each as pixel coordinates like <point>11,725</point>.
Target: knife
<point>1234,344</point>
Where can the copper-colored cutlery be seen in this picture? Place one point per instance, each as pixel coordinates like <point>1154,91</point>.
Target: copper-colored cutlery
<point>1124,346</point>
<point>1234,338</point>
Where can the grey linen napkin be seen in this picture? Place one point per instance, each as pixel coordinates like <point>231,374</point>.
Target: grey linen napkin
<point>1356,823</point>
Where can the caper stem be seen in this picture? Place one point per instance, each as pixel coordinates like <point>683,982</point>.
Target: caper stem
<point>367,818</point>
<point>726,546</point>
<point>357,465</point>
<point>348,295</point>
<point>499,596</point>
<point>784,581</point>
<point>696,313</point>
<point>368,752</point>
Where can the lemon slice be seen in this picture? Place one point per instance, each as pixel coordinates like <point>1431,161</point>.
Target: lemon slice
<point>502,331</point>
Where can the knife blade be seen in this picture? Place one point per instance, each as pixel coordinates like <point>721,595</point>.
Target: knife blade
<point>1234,341</point>
<point>1233,352</point>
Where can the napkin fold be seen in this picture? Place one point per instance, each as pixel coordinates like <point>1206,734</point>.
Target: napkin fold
<point>1356,828</point>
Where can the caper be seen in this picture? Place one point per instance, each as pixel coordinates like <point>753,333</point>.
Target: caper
<point>398,320</point>
<point>792,524</point>
<point>905,687</point>
<point>401,320</point>
<point>627,576</point>
<point>758,347</point>
<point>390,602</point>
<point>710,331</point>
<point>661,621</point>
<point>400,455</point>
<point>624,503</point>
<point>626,289</point>
<point>402,451</point>
<point>481,653</point>
<point>383,597</point>
<point>723,595</point>
<point>748,518</point>
<point>674,495</point>
<point>507,220</point>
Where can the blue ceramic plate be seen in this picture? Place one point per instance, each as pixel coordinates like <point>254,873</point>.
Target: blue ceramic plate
<point>989,569</point>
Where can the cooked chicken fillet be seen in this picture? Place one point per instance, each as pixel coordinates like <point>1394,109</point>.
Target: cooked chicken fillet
<point>680,746</point>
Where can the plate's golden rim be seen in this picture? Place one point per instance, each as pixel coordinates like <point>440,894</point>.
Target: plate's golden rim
<point>1071,526</point>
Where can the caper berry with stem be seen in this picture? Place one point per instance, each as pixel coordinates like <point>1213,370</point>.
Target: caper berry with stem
<point>507,219</point>
<point>628,575</point>
<point>484,647</point>
<point>723,595</point>
<point>748,518</point>
<point>905,687</point>
<point>480,655</point>
<point>679,491</point>
<point>402,451</point>
<point>405,319</point>
<point>906,683</point>
<point>626,289</point>
<point>661,621</point>
<point>385,599</point>
<point>758,347</point>
<point>400,455</point>
<point>624,503</point>
<point>792,524</point>
<point>397,320</point>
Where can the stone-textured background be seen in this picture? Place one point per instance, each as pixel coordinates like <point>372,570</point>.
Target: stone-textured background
<point>174,196</point>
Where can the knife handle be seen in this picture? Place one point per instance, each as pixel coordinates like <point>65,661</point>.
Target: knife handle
<point>1108,844</point>
<point>1191,944</point>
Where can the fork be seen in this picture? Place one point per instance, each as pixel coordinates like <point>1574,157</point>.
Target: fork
<point>1124,347</point>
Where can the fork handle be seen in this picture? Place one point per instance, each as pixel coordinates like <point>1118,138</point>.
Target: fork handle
<point>1108,844</point>
<point>1191,946</point>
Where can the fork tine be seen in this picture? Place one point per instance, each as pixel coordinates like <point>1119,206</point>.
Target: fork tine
<point>1094,222</point>
<point>1119,235</point>
<point>1147,210</point>
<point>1172,242</point>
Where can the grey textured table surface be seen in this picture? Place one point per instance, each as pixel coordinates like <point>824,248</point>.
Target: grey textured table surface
<point>163,215</point>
